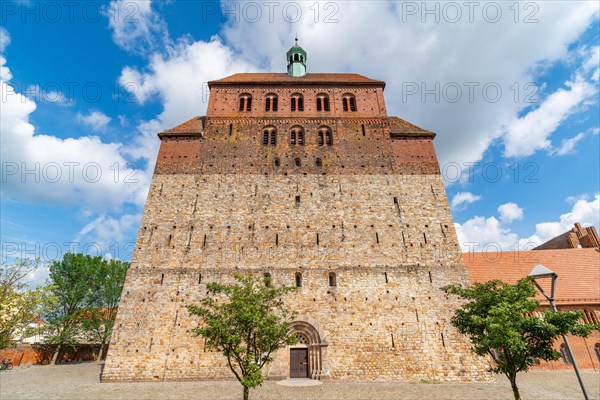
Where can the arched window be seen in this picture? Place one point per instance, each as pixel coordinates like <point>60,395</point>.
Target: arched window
<point>297,103</point>
<point>349,102</point>
<point>324,136</point>
<point>297,162</point>
<point>267,278</point>
<point>271,102</point>
<point>597,350</point>
<point>298,279</point>
<point>296,57</point>
<point>297,136</point>
<point>322,102</point>
<point>332,279</point>
<point>564,353</point>
<point>269,136</point>
<point>245,102</point>
<point>319,162</point>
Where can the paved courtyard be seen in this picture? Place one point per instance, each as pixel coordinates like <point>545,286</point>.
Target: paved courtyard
<point>81,382</point>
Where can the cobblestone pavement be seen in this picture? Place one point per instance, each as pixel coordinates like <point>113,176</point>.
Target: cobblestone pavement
<point>81,382</point>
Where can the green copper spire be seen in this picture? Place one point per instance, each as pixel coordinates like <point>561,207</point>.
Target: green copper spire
<point>296,57</point>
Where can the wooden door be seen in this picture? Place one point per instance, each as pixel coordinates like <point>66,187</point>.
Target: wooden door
<point>298,363</point>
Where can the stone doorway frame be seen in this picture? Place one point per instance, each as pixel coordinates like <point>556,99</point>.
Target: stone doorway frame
<point>318,362</point>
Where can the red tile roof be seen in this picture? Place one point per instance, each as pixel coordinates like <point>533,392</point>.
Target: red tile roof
<point>282,78</point>
<point>578,271</point>
<point>194,126</point>
<point>400,127</point>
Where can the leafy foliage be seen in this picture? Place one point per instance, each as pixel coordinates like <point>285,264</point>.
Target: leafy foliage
<point>19,306</point>
<point>246,322</point>
<point>98,321</point>
<point>500,321</point>
<point>87,291</point>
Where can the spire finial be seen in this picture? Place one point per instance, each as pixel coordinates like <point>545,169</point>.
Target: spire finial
<point>296,39</point>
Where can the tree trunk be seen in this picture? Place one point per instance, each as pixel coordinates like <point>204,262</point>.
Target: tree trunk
<point>513,385</point>
<point>55,356</point>
<point>100,352</point>
<point>246,393</point>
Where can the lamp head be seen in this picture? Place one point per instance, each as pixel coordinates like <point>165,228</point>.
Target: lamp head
<point>539,271</point>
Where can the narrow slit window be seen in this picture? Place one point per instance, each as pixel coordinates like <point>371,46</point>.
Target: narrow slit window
<point>298,279</point>
<point>332,279</point>
<point>267,279</point>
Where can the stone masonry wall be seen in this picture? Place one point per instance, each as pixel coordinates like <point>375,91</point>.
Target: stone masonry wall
<point>197,229</point>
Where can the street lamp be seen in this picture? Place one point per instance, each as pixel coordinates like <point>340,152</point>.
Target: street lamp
<point>539,271</point>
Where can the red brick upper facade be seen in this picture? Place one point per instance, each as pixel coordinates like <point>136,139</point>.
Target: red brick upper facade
<point>270,123</point>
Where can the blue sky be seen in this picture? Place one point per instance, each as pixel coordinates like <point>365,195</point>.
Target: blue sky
<point>510,88</point>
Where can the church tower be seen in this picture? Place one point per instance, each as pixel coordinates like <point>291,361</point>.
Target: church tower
<point>304,178</point>
<point>296,57</point>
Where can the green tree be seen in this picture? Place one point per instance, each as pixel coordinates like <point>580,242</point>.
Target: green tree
<point>246,321</point>
<point>98,321</point>
<point>499,320</point>
<point>19,306</point>
<point>75,286</point>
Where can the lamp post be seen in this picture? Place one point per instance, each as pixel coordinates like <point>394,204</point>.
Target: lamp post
<point>539,271</point>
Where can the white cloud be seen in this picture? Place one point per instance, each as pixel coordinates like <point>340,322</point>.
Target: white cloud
<point>136,27</point>
<point>37,94</point>
<point>480,233</point>
<point>83,172</point>
<point>95,120</point>
<point>105,234</point>
<point>531,132</point>
<point>422,55</point>
<point>462,199</point>
<point>426,55</point>
<point>180,79</point>
<point>567,146</point>
<point>4,39</point>
<point>510,212</point>
<point>585,211</point>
